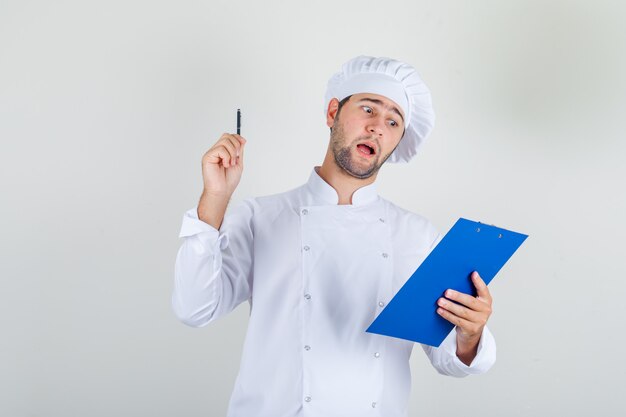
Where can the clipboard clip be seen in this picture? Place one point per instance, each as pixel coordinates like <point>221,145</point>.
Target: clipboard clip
<point>493,225</point>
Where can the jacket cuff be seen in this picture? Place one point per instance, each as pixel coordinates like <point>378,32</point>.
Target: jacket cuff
<point>208,237</point>
<point>485,355</point>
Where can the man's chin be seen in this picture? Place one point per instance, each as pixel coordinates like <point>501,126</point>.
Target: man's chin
<point>355,166</point>
<point>358,172</point>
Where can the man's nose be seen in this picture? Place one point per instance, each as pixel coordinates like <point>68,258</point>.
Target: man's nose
<point>375,126</point>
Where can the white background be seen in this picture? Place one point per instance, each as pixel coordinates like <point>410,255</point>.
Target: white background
<point>106,109</point>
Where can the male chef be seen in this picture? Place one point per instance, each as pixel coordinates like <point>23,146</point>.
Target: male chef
<point>318,263</point>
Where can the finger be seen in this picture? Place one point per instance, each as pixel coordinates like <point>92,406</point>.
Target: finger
<point>233,141</point>
<point>240,157</point>
<point>481,288</point>
<point>222,154</point>
<point>235,149</point>
<point>460,311</point>
<point>467,300</point>
<point>240,138</point>
<point>229,138</point>
<point>212,156</point>
<point>226,144</point>
<point>236,140</point>
<point>456,320</point>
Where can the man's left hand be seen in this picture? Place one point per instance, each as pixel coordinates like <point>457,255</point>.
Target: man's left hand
<point>469,314</point>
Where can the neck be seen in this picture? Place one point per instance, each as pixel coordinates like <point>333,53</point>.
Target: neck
<point>344,184</point>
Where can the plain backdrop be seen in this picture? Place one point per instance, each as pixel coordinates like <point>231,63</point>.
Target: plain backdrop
<point>106,109</point>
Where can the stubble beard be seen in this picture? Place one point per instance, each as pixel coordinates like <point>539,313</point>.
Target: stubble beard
<point>343,154</point>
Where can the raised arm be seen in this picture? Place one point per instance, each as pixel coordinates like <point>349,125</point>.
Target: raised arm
<point>213,265</point>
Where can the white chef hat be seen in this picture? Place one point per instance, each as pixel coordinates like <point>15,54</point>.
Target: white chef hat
<point>398,82</point>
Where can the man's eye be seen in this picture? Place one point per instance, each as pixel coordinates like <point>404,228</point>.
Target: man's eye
<point>394,123</point>
<point>367,109</point>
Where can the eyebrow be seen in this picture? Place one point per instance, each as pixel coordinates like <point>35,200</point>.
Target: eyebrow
<point>380,103</point>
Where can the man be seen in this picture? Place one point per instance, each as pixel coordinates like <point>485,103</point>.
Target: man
<point>318,263</point>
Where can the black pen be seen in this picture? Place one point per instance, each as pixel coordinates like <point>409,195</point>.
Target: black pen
<point>239,121</point>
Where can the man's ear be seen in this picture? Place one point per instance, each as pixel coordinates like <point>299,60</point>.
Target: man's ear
<point>331,112</point>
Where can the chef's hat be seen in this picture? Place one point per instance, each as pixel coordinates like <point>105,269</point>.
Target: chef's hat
<point>398,82</point>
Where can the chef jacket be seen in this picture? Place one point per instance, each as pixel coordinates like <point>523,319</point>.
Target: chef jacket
<point>316,274</point>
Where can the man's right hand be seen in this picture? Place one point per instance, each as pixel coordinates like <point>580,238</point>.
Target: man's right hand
<point>222,166</point>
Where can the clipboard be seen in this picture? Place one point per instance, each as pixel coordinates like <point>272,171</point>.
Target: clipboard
<point>468,246</point>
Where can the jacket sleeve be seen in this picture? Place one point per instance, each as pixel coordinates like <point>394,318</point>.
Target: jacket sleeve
<point>213,270</point>
<point>445,361</point>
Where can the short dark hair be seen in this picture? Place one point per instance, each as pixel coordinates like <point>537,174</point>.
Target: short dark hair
<point>341,103</point>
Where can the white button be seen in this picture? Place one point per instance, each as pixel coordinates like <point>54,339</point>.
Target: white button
<point>382,220</point>
<point>307,399</point>
<point>385,255</point>
<point>305,212</point>
<point>376,355</point>
<point>307,296</point>
<point>381,303</point>
<point>307,347</point>
<point>373,405</point>
<point>306,248</point>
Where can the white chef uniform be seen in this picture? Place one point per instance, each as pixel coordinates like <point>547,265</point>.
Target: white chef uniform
<point>316,274</point>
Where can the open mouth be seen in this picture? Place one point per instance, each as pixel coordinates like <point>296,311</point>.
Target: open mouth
<point>366,149</point>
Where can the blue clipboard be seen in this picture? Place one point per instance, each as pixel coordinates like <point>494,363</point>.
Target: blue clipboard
<point>469,246</point>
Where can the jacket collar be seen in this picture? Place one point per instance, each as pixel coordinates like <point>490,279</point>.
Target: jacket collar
<point>327,194</point>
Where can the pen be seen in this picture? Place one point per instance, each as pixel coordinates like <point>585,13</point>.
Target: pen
<point>239,121</point>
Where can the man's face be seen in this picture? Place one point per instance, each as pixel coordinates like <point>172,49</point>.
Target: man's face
<point>365,132</point>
